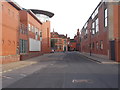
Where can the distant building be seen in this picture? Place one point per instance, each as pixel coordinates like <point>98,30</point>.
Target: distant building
<point>72,45</point>
<point>77,39</point>
<point>59,42</point>
<point>100,35</point>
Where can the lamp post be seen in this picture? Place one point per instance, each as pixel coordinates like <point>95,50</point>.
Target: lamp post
<point>90,43</point>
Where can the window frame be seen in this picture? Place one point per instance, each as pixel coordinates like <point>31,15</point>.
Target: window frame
<point>105,17</point>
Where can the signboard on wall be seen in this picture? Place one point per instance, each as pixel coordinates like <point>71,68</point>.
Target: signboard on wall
<point>34,45</point>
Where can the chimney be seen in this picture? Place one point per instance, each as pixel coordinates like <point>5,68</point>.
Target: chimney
<point>66,35</point>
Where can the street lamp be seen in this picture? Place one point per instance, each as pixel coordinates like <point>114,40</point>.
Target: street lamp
<point>90,43</point>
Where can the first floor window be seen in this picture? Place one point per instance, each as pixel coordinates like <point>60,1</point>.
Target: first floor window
<point>29,27</point>
<point>105,17</point>
<point>97,25</point>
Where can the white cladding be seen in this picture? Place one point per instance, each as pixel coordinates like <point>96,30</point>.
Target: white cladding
<point>34,45</point>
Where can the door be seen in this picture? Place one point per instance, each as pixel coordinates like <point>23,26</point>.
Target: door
<point>112,49</point>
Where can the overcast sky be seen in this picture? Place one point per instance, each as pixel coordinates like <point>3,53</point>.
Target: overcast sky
<point>69,14</point>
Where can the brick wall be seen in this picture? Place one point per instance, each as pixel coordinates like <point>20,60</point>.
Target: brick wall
<point>46,45</point>
<point>9,59</point>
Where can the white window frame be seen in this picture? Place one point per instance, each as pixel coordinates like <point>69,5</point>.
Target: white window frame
<point>101,44</point>
<point>97,25</point>
<point>29,27</point>
<point>106,17</point>
<point>93,28</point>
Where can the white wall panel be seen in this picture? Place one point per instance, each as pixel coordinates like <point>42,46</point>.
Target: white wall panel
<point>34,45</point>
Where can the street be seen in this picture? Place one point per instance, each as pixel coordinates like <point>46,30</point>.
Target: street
<point>63,70</point>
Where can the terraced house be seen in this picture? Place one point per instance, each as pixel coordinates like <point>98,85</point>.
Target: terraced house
<point>24,33</point>
<point>100,36</point>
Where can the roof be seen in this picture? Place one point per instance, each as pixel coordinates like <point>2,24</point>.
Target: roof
<point>62,36</point>
<point>14,4</point>
<point>36,11</point>
<point>33,15</point>
<point>72,40</point>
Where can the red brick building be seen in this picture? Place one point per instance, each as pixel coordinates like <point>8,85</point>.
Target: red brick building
<point>100,36</point>
<point>59,42</point>
<point>24,33</point>
<point>9,24</point>
<point>44,16</point>
<point>72,45</point>
<point>30,34</point>
<point>77,39</point>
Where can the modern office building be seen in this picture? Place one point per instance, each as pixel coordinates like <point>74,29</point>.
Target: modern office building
<point>44,17</point>
<point>30,38</point>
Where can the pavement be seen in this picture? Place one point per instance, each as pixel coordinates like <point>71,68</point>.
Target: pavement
<point>16,65</point>
<point>20,64</point>
<point>99,59</point>
<point>63,70</point>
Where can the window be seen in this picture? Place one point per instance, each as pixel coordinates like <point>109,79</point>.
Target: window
<point>97,45</point>
<point>23,46</point>
<point>97,25</point>
<point>60,40</point>
<point>29,27</point>
<point>101,44</point>
<point>60,47</point>
<point>36,35</point>
<point>32,28</point>
<point>95,13</point>
<point>93,45</point>
<point>40,34</point>
<point>93,28</point>
<point>105,17</point>
<point>86,32</point>
<point>65,42</point>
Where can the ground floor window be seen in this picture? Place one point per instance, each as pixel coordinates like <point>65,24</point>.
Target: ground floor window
<point>101,44</point>
<point>23,46</point>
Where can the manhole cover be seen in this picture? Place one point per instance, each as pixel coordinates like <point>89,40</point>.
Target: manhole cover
<point>81,81</point>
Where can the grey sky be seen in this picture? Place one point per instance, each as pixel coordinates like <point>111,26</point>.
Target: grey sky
<point>69,14</point>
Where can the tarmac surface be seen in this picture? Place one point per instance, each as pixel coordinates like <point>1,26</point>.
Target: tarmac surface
<point>63,70</point>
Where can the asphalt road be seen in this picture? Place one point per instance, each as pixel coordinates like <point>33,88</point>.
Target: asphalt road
<point>63,70</point>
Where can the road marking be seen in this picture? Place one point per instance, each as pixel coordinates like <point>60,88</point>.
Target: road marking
<point>17,68</point>
<point>82,81</point>
<point>51,64</point>
<point>7,77</point>
<point>23,75</point>
<point>9,70</point>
